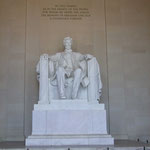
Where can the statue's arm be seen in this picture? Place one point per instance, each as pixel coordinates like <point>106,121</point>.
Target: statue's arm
<point>84,78</point>
<point>83,59</point>
<point>55,57</point>
<point>53,63</point>
<point>52,70</point>
<point>83,62</point>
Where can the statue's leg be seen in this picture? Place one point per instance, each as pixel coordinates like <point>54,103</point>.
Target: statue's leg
<point>60,73</point>
<point>76,82</point>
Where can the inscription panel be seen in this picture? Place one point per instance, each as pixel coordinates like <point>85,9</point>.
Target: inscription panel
<point>65,12</point>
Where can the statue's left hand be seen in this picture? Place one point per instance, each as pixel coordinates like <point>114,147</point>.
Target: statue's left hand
<point>88,56</point>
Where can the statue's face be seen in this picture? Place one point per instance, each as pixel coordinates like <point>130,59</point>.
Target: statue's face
<point>67,44</point>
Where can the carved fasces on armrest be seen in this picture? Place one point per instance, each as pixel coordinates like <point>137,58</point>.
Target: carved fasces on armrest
<point>43,90</point>
<point>42,57</point>
<point>95,86</point>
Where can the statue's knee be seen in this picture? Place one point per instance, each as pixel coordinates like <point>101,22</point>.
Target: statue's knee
<point>60,70</point>
<point>77,71</point>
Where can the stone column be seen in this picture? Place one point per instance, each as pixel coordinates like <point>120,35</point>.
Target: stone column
<point>43,90</point>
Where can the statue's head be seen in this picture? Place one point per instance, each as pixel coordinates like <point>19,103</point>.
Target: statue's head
<point>67,43</point>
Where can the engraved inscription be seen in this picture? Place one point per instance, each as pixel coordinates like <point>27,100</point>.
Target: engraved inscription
<point>65,12</point>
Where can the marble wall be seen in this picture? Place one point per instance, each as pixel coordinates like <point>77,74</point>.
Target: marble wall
<point>117,33</point>
<point>12,68</point>
<point>128,49</point>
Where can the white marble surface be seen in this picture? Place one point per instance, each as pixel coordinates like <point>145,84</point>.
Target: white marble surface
<point>68,75</point>
<point>59,123</point>
<point>69,117</point>
<point>79,140</point>
<point>69,104</point>
<point>61,116</point>
<point>64,122</point>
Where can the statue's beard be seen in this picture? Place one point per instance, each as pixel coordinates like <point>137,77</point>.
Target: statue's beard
<point>68,49</point>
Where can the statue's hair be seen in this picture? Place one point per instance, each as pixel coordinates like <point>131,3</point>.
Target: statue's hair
<point>66,39</point>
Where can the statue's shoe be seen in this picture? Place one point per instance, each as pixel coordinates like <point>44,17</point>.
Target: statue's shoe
<point>63,97</point>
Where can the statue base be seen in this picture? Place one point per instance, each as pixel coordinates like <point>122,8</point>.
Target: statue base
<point>69,122</point>
<point>70,140</point>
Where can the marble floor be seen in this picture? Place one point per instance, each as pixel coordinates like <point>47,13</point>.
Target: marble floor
<point>119,145</point>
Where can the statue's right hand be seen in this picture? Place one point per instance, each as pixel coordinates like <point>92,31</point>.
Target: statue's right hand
<point>44,56</point>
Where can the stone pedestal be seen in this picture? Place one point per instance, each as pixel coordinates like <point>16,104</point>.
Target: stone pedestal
<point>69,122</point>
